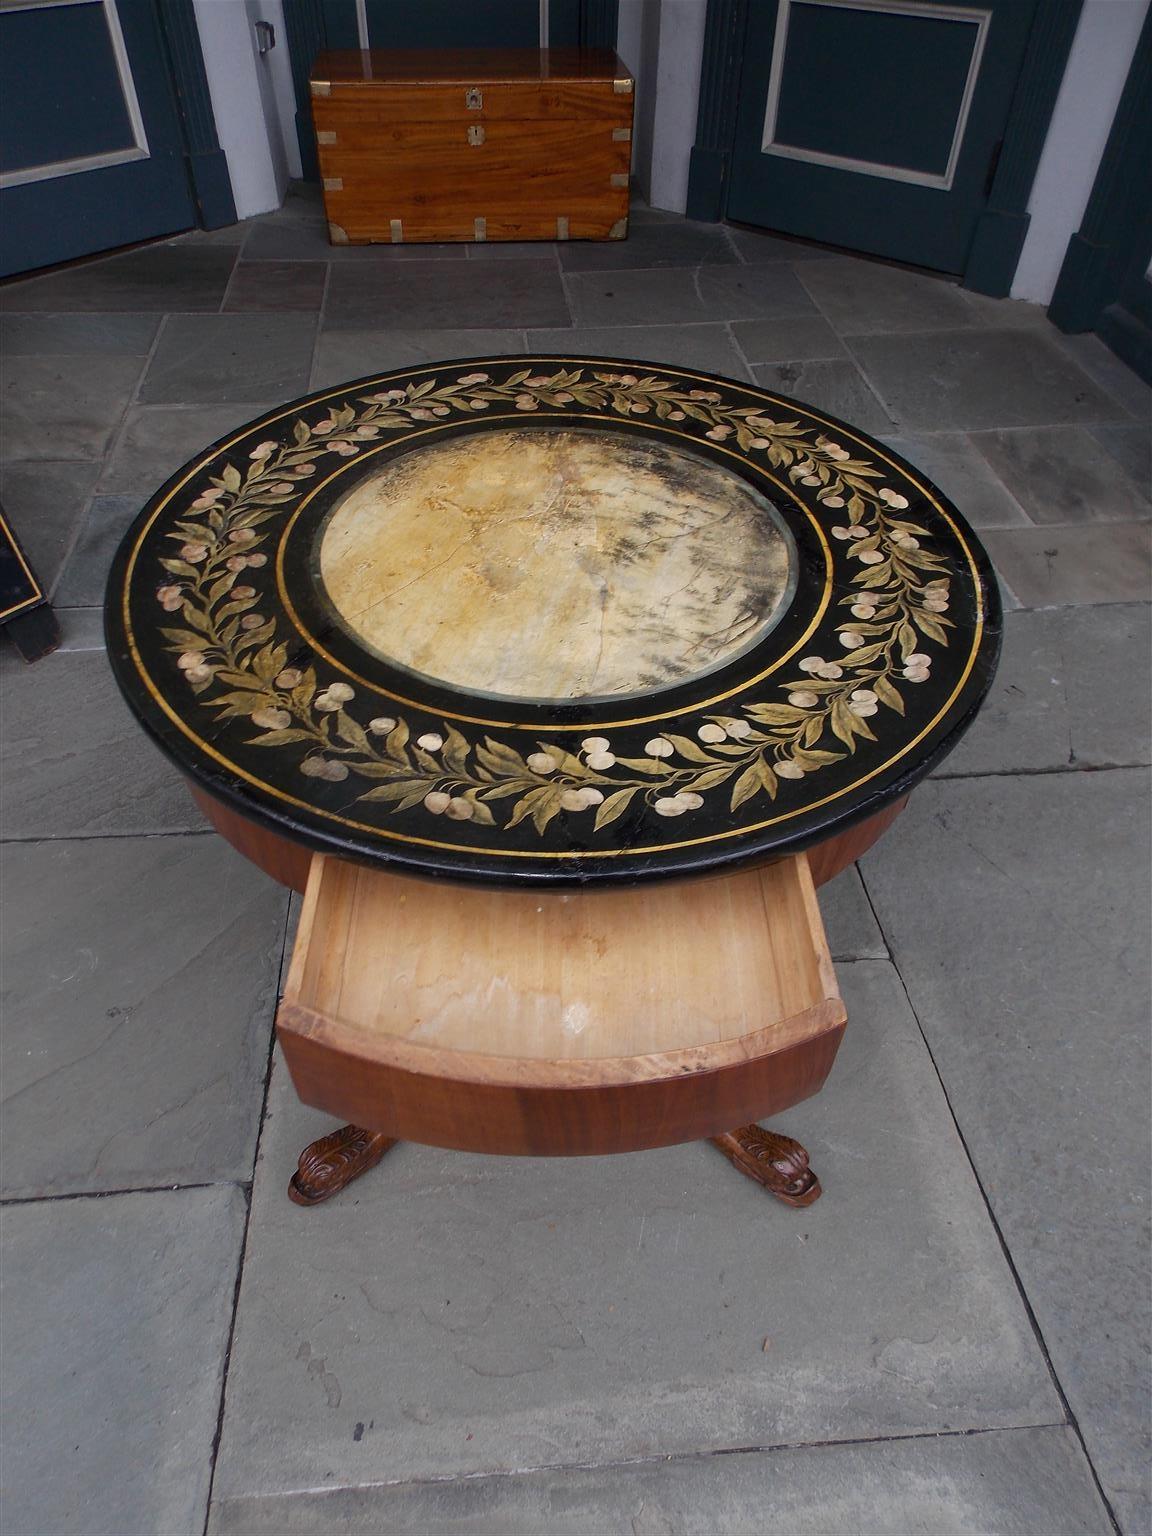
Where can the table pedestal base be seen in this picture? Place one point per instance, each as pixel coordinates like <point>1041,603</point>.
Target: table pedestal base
<point>776,1162</point>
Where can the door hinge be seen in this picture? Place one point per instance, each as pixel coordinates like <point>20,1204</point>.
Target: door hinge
<point>993,166</point>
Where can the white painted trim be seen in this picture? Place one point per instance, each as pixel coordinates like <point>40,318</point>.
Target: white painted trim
<point>138,150</point>
<point>942,182</point>
<point>242,88</point>
<point>672,92</point>
<point>70,167</point>
<point>1094,77</point>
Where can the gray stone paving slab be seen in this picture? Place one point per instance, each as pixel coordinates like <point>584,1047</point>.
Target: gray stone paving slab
<point>140,982</point>
<point>851,926</point>
<point>755,245</point>
<point>86,570</point>
<point>74,762</point>
<point>43,335</point>
<point>835,386</point>
<point>968,381</point>
<point>512,250</point>
<point>116,1316</point>
<point>1116,378</point>
<point>674,296</point>
<point>208,359</point>
<point>158,278</point>
<point>343,355</point>
<point>705,346</point>
<point>155,441</point>
<point>651,245</point>
<point>81,629</point>
<point>1002,312</point>
<point>44,502</point>
<point>484,1314</point>
<point>1063,475</point>
<point>276,285</point>
<point>860,297</point>
<point>790,339</point>
<point>306,239</point>
<point>951,461</point>
<point>426,294</point>
<point>1024,1482</point>
<point>303,200</point>
<point>1067,694</point>
<point>1048,567</point>
<point>63,407</point>
<point>1131,447</point>
<point>1018,912</point>
<point>227,234</point>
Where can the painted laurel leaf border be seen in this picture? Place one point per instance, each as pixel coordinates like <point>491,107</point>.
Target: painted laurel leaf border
<point>233,661</point>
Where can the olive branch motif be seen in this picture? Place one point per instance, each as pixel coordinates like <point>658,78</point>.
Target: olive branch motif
<point>231,659</point>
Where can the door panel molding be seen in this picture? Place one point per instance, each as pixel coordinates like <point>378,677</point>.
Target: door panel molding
<point>136,150</point>
<point>1000,232</point>
<point>51,220</point>
<point>770,145</point>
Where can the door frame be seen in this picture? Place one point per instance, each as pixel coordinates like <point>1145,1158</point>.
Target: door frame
<point>309,23</point>
<point>1002,227</point>
<point>1102,285</point>
<point>204,160</point>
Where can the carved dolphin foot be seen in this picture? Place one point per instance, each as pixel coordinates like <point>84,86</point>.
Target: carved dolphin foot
<point>327,1165</point>
<point>777,1162</point>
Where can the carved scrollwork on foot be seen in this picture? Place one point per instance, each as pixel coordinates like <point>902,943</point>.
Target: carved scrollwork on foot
<point>777,1162</point>
<point>329,1164</point>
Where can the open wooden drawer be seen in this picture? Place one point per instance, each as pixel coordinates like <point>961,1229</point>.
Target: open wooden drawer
<point>559,1023</point>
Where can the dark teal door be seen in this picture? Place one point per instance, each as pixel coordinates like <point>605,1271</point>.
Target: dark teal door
<point>91,152</point>
<point>462,23</point>
<point>875,124</point>
<point>453,23</point>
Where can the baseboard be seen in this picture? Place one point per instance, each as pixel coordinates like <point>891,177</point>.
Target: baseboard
<point>995,252</point>
<point>212,188</point>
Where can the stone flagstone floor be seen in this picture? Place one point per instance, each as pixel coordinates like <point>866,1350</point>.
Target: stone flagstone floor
<point>953,1340</point>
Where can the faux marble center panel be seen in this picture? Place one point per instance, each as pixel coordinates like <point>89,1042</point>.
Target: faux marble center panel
<point>555,564</point>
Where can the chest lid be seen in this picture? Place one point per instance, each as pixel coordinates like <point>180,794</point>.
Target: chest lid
<point>473,83</point>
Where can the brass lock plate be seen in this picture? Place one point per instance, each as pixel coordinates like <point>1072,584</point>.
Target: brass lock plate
<point>474,98</point>
<point>476,133</point>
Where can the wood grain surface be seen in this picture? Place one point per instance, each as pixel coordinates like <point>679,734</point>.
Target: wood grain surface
<point>367,67</point>
<point>289,862</point>
<point>545,1023</point>
<point>473,145</point>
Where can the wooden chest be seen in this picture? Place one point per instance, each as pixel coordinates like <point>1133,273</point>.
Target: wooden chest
<point>473,144</point>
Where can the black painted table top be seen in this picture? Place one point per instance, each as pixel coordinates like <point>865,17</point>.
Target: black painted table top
<point>552,618</point>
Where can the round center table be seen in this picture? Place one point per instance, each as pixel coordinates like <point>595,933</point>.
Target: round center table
<point>557,684</point>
